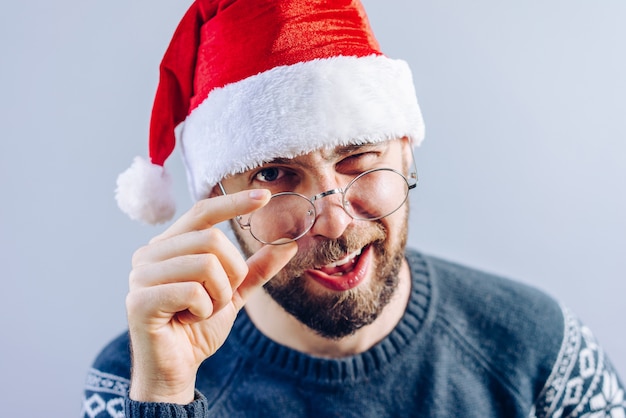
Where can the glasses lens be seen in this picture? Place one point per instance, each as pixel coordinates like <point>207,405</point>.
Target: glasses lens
<point>285,218</point>
<point>376,194</point>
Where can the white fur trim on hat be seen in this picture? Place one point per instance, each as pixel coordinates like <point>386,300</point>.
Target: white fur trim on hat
<point>291,110</point>
<point>144,192</point>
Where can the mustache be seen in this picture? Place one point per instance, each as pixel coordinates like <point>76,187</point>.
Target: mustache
<point>328,251</point>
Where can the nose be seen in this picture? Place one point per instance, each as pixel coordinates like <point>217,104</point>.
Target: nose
<point>332,220</point>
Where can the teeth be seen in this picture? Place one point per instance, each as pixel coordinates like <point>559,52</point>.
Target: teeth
<point>344,260</point>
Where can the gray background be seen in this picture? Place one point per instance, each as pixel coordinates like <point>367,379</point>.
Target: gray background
<point>522,172</point>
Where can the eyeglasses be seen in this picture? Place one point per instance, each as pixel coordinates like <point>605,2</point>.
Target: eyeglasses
<point>288,216</point>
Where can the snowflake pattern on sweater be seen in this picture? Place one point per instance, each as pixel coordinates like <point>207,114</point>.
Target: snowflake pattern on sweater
<point>582,383</point>
<point>104,395</point>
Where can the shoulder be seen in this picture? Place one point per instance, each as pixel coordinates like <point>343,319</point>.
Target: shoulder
<point>507,330</point>
<point>108,380</point>
<point>482,301</point>
<point>526,340</point>
<point>115,357</point>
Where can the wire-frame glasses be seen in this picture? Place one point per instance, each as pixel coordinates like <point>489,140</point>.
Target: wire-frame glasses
<point>372,195</point>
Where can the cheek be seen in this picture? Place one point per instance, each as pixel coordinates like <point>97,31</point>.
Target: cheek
<point>397,220</point>
<point>396,226</point>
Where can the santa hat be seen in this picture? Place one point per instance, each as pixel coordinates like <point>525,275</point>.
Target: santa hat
<point>247,81</point>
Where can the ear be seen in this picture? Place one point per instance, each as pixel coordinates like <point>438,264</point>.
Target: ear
<point>407,155</point>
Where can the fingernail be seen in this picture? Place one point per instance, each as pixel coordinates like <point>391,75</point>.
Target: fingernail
<point>257,194</point>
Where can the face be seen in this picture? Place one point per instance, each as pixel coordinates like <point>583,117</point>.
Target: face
<point>346,270</point>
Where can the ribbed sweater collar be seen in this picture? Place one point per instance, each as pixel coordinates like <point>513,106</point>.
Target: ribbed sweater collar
<point>253,344</point>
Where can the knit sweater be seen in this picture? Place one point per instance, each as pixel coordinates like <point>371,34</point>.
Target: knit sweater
<point>470,344</point>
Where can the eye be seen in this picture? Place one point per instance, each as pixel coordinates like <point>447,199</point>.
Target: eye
<point>276,178</point>
<point>358,163</point>
<point>269,174</point>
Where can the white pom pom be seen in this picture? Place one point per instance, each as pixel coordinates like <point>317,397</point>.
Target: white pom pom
<point>144,192</point>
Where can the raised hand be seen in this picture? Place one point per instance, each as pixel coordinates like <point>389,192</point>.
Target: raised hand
<point>186,287</point>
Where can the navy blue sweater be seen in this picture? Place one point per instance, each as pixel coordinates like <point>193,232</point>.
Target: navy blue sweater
<point>470,344</point>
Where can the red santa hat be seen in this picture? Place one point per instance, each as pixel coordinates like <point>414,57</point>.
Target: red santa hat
<point>247,81</point>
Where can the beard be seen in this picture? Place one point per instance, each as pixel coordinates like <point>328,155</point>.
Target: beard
<point>335,315</point>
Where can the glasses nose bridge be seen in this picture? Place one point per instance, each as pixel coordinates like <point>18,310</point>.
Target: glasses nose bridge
<point>330,192</point>
<point>336,191</point>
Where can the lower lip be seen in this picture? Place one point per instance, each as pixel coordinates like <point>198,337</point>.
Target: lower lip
<point>345,281</point>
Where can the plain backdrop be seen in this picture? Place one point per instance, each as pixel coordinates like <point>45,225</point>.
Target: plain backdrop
<point>523,170</point>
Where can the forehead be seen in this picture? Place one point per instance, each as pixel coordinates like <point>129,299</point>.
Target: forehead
<point>330,154</point>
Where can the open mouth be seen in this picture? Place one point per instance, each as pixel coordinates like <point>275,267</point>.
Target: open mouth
<point>346,273</point>
<point>342,266</point>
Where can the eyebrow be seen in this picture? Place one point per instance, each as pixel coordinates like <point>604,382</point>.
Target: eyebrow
<point>336,152</point>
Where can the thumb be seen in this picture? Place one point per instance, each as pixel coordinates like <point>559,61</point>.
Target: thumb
<point>262,266</point>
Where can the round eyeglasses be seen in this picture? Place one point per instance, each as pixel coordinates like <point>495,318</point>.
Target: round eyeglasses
<point>372,195</point>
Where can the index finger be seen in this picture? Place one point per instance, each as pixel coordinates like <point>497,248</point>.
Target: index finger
<point>207,213</point>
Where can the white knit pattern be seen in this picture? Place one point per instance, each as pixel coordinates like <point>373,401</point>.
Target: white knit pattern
<point>583,383</point>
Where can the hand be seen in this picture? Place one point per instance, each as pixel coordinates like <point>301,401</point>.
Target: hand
<point>186,287</point>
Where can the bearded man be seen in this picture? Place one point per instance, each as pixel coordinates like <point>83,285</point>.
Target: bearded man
<point>298,130</point>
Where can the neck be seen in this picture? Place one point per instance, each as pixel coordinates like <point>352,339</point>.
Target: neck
<point>273,321</point>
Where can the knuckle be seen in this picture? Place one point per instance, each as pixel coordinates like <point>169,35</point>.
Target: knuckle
<point>198,209</point>
<point>222,296</point>
<point>208,262</point>
<point>196,290</point>
<point>138,256</point>
<point>239,271</point>
<point>210,238</point>
<point>257,271</point>
<point>134,302</point>
<point>133,278</point>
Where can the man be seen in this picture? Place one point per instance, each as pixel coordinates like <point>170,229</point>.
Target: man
<point>300,132</point>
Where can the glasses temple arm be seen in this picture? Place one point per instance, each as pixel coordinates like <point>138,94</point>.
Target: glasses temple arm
<point>413,174</point>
